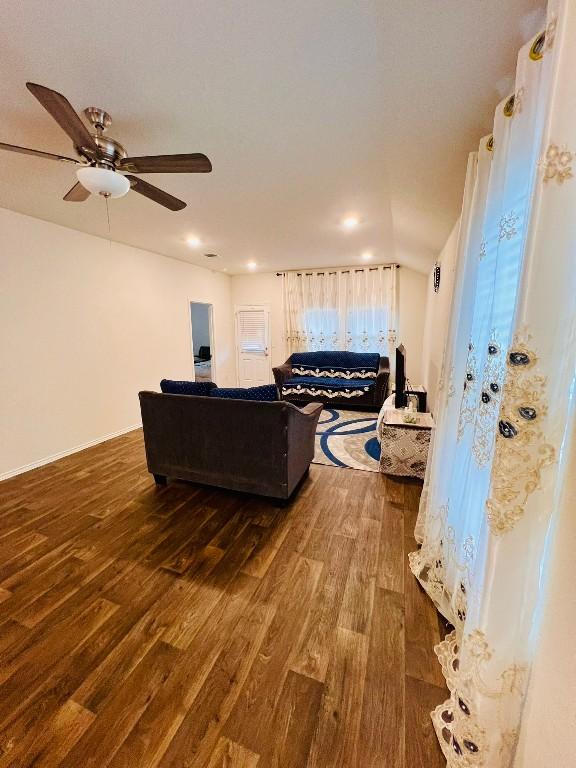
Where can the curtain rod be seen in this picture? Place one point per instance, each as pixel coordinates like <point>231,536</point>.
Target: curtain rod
<point>341,271</point>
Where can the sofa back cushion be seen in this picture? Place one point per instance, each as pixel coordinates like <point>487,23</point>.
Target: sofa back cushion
<point>267,392</point>
<point>345,365</point>
<point>202,388</point>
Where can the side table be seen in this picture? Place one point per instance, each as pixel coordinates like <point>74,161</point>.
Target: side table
<point>404,447</point>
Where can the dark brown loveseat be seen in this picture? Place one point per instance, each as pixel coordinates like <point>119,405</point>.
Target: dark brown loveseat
<point>244,445</point>
<point>335,378</point>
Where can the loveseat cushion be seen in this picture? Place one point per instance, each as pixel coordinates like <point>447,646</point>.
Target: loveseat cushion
<point>342,365</point>
<point>202,388</point>
<point>326,386</point>
<point>267,392</point>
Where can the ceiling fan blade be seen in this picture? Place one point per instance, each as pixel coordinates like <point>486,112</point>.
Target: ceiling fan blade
<point>77,194</point>
<point>155,194</point>
<point>38,153</point>
<point>195,163</point>
<point>63,112</point>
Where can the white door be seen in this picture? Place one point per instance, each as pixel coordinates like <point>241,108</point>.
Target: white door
<point>253,345</point>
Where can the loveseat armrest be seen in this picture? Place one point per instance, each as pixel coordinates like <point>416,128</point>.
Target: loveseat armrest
<point>281,373</point>
<point>302,424</point>
<point>382,378</point>
<point>312,410</point>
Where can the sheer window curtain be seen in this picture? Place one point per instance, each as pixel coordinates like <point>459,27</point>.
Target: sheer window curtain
<point>348,309</point>
<point>496,468</point>
<point>312,307</point>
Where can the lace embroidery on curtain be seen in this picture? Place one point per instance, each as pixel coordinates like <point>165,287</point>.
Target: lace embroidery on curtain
<point>508,226</point>
<point>441,379</point>
<point>485,421</point>
<point>300,341</point>
<point>519,100</point>
<point>461,738</point>
<point>557,164</point>
<point>364,341</point>
<point>521,452</point>
<point>550,35</point>
<point>432,561</point>
<point>483,245</point>
<point>468,403</point>
<point>451,389</point>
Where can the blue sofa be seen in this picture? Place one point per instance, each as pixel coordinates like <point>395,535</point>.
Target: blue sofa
<point>339,378</point>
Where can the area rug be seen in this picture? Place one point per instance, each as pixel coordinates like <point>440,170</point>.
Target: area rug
<point>347,439</point>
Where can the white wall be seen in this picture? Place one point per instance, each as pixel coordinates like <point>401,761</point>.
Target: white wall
<point>411,312</point>
<point>84,325</point>
<point>437,316</point>
<point>266,288</point>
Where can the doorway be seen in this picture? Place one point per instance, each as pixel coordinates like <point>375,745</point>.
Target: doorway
<point>202,340</point>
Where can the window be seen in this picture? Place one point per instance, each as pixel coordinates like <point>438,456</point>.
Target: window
<point>349,309</point>
<point>252,330</point>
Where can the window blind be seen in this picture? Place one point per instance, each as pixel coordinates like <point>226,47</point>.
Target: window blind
<point>252,330</point>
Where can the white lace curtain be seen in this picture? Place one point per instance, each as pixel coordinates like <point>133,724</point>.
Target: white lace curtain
<point>505,402</point>
<point>346,309</point>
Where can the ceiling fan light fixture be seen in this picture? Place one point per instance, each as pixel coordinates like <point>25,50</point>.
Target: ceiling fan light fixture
<point>101,181</point>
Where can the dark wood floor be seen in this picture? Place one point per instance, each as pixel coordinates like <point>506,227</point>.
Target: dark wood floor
<point>183,626</point>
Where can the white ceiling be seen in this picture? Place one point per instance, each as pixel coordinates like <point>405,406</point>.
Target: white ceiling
<point>308,109</point>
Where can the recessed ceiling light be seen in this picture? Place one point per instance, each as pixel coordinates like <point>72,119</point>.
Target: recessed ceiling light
<point>251,265</point>
<point>193,241</point>
<point>350,222</point>
<point>367,255</point>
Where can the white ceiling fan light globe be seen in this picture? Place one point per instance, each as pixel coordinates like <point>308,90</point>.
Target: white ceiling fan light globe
<point>101,181</point>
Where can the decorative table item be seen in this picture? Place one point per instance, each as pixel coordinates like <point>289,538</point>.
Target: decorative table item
<point>404,441</point>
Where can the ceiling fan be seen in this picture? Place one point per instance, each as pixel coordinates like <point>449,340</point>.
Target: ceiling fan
<point>102,158</point>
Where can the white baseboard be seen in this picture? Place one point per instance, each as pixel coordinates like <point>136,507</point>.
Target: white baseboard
<point>69,452</point>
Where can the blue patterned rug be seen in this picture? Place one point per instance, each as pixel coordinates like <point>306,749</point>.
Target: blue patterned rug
<point>347,439</point>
